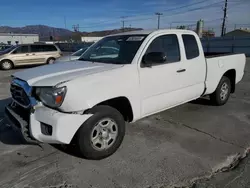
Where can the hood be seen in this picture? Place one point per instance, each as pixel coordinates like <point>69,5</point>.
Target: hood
<point>67,58</point>
<point>51,75</point>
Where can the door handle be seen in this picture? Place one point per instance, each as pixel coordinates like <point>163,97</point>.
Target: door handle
<point>27,54</point>
<point>33,54</point>
<point>181,70</point>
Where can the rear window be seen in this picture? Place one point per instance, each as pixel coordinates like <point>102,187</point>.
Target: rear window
<point>50,48</point>
<point>191,46</point>
<point>42,48</point>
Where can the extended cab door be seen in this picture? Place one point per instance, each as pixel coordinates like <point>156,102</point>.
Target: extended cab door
<point>161,86</point>
<point>194,64</point>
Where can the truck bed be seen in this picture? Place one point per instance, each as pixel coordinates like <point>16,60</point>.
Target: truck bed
<point>219,64</point>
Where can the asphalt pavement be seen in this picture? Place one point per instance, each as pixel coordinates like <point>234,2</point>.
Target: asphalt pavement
<point>182,146</point>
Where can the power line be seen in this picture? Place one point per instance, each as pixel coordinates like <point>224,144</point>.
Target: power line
<point>167,10</point>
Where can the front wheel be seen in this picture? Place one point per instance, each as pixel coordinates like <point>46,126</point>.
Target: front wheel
<point>6,65</point>
<point>222,92</point>
<point>102,134</point>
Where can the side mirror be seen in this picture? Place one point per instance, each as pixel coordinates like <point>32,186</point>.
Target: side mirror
<point>154,58</point>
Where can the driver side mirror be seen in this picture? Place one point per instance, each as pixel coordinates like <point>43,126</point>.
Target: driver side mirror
<point>154,58</point>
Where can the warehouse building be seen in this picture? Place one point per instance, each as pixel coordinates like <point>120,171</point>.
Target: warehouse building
<point>16,38</point>
<point>242,32</point>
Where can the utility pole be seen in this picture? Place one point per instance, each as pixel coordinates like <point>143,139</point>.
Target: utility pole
<point>123,22</point>
<point>158,14</point>
<point>223,29</point>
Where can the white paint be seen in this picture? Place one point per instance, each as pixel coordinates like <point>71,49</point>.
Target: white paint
<point>64,125</point>
<point>149,90</point>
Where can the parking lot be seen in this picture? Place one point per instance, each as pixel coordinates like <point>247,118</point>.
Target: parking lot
<point>171,148</point>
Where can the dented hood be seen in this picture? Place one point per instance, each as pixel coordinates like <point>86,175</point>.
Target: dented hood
<point>51,75</point>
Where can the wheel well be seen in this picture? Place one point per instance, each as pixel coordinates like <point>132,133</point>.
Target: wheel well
<point>231,74</point>
<point>8,60</point>
<point>50,58</point>
<point>121,104</point>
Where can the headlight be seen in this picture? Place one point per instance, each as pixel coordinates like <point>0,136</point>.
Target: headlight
<point>52,97</point>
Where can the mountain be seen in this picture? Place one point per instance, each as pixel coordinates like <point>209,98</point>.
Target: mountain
<point>58,33</point>
<point>42,30</point>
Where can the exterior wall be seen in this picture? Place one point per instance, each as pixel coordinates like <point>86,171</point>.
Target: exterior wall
<point>90,39</point>
<point>22,39</point>
<point>227,45</point>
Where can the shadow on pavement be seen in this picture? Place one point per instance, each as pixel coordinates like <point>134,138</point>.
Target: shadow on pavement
<point>202,101</point>
<point>68,149</point>
<point>8,135</point>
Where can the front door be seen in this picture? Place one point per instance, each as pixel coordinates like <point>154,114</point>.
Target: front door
<point>161,83</point>
<point>21,55</point>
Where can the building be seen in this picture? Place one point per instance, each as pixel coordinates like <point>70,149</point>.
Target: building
<point>16,38</point>
<point>90,39</point>
<point>242,32</point>
<point>208,33</point>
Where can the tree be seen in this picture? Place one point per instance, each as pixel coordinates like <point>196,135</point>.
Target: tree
<point>181,27</point>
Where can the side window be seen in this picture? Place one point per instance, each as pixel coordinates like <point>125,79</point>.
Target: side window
<point>36,48</point>
<point>191,46</point>
<point>167,44</point>
<point>21,50</point>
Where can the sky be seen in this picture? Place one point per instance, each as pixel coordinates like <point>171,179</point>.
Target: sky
<point>107,14</point>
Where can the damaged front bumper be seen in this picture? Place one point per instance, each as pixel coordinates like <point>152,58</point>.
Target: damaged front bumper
<point>42,124</point>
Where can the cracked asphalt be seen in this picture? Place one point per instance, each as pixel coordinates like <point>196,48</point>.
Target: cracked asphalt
<point>167,149</point>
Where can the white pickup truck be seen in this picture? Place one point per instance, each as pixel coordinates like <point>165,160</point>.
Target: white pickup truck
<point>87,102</point>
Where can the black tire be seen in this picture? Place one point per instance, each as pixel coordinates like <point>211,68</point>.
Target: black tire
<point>86,131</point>
<point>50,59</point>
<point>216,97</point>
<point>3,64</point>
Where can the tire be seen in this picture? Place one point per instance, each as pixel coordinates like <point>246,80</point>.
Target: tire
<point>51,60</point>
<point>6,65</point>
<point>222,92</point>
<point>92,135</point>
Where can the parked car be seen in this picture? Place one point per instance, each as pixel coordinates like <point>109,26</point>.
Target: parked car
<point>74,56</point>
<point>29,54</point>
<point>4,47</point>
<point>87,102</point>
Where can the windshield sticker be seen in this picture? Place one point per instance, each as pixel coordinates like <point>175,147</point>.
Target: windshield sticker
<point>135,38</point>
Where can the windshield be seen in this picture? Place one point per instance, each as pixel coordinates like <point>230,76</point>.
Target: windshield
<point>7,50</point>
<point>79,52</point>
<point>114,49</point>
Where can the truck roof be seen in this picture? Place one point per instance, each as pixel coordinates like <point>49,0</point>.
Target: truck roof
<point>147,32</point>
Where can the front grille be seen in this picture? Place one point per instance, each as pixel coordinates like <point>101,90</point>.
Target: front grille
<point>19,95</point>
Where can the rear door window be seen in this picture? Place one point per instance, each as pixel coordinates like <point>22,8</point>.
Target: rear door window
<point>191,46</point>
<point>36,48</point>
<point>43,48</point>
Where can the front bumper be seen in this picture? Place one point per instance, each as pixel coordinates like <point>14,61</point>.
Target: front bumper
<point>64,125</point>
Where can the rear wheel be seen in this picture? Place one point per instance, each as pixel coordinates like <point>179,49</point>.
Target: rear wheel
<point>222,92</point>
<point>6,64</point>
<point>102,134</point>
<point>51,60</point>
